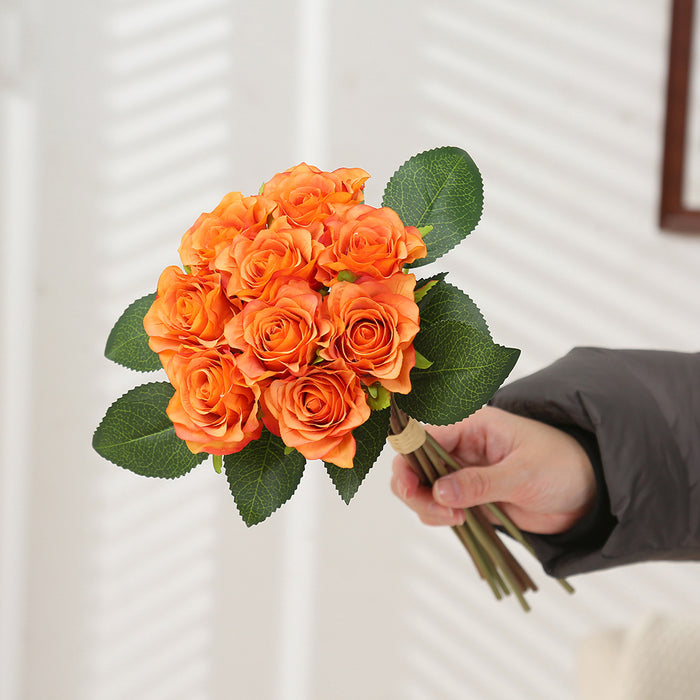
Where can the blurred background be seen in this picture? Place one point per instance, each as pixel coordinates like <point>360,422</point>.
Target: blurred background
<point>122,120</point>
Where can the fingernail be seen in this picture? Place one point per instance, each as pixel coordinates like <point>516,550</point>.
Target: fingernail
<point>446,491</point>
<point>445,515</point>
<point>409,485</point>
<point>457,516</point>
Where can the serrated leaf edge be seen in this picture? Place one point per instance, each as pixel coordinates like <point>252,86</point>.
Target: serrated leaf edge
<point>199,457</point>
<point>433,290</point>
<point>515,356</point>
<point>362,480</point>
<point>279,505</point>
<point>359,483</point>
<point>123,364</point>
<point>420,262</point>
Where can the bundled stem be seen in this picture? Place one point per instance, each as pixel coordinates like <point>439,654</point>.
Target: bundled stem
<point>492,559</point>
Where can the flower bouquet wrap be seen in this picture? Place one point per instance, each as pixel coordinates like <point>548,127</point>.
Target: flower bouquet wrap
<point>297,330</point>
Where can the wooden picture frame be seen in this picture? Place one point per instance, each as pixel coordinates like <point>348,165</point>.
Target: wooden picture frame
<point>674,215</point>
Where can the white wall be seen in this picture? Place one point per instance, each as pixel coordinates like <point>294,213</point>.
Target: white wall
<point>122,120</point>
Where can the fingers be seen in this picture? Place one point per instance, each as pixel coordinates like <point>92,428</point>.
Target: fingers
<point>404,482</point>
<point>483,438</point>
<point>475,486</point>
<point>406,485</point>
<point>466,439</point>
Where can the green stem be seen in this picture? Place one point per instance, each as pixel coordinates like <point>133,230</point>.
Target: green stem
<point>515,533</point>
<point>465,532</point>
<point>483,566</point>
<point>496,557</point>
<point>218,463</point>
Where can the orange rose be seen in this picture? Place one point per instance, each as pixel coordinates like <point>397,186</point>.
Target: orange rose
<point>213,409</point>
<point>306,194</point>
<point>317,412</point>
<point>189,310</point>
<point>367,241</point>
<point>280,336</point>
<point>235,214</point>
<point>374,324</point>
<point>277,253</point>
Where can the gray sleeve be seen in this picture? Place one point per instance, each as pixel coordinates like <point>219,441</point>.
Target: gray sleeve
<point>643,407</point>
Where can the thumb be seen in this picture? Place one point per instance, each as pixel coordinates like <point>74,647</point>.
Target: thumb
<point>474,486</point>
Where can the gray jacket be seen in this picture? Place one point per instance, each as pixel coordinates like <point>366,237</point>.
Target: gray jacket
<point>637,412</point>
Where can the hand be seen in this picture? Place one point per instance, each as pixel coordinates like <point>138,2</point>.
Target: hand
<point>538,475</point>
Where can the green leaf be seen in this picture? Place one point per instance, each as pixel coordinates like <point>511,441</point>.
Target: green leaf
<point>378,397</point>
<point>422,362</point>
<point>137,434</point>
<point>424,287</point>
<point>467,370</point>
<point>263,476</point>
<point>422,290</point>
<point>370,438</point>
<point>443,301</point>
<point>127,343</point>
<point>346,276</point>
<point>441,188</point>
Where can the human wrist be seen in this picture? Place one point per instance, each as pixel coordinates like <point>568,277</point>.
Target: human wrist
<point>592,529</point>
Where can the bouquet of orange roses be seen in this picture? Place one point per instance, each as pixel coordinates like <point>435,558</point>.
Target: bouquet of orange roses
<point>292,326</point>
